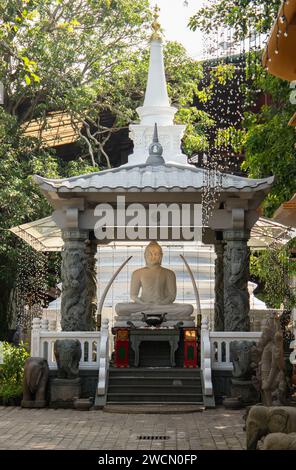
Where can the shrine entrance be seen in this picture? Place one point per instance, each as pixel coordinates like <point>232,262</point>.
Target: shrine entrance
<point>117,205</point>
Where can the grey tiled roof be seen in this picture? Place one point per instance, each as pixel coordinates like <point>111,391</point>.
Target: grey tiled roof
<point>167,177</point>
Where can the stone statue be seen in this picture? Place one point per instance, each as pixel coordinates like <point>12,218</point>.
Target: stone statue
<point>35,382</point>
<point>263,420</point>
<point>280,441</point>
<point>153,291</point>
<point>271,379</point>
<point>242,357</point>
<point>68,354</point>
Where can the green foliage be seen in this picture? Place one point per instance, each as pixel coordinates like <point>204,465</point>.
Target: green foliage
<point>232,137</point>
<point>245,16</point>
<point>196,122</point>
<point>70,56</point>
<point>21,200</point>
<point>274,268</point>
<point>12,370</point>
<point>263,136</point>
<point>269,141</point>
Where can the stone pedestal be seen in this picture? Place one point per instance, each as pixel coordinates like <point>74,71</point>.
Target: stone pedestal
<point>245,391</point>
<point>33,403</point>
<point>63,392</point>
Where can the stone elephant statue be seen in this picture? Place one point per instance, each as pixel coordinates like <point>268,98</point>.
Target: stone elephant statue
<point>68,354</point>
<point>35,382</point>
<point>280,441</point>
<point>263,420</point>
<point>242,359</point>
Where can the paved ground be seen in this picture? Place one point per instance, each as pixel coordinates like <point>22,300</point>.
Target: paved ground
<point>71,429</point>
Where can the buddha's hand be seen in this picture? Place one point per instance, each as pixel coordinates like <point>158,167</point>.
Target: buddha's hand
<point>167,300</point>
<point>137,300</point>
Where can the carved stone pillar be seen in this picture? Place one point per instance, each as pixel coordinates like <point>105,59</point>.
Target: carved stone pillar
<point>219,287</point>
<point>74,281</point>
<point>91,286</point>
<point>236,275</point>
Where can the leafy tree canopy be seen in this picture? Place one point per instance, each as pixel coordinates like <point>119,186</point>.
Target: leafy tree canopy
<point>264,136</point>
<point>244,16</point>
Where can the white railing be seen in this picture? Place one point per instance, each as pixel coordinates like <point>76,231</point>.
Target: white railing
<point>220,346</point>
<point>205,360</point>
<point>104,360</point>
<point>215,351</point>
<point>44,335</point>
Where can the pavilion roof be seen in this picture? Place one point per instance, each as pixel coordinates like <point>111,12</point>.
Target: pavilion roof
<point>169,177</point>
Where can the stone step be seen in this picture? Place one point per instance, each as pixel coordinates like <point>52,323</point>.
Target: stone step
<point>140,402</point>
<point>157,398</point>
<point>147,381</point>
<point>159,372</point>
<point>154,408</point>
<point>155,389</point>
<point>154,386</point>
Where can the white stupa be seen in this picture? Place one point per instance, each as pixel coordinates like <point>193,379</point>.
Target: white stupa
<point>156,109</point>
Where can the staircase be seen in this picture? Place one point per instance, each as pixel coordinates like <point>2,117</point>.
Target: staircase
<point>143,385</point>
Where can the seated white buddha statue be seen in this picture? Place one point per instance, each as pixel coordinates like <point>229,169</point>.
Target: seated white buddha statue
<point>153,291</point>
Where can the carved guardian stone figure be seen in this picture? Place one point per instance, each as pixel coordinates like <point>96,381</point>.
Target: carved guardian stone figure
<point>236,296</point>
<point>271,380</point>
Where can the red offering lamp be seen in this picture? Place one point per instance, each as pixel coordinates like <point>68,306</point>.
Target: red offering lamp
<point>121,347</point>
<point>190,347</point>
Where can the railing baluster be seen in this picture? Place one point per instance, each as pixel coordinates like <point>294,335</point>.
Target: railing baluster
<point>43,344</point>
<point>85,352</point>
<point>227,345</point>
<point>219,351</point>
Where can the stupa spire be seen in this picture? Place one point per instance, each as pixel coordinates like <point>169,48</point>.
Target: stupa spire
<point>155,150</point>
<point>156,34</point>
<point>156,107</point>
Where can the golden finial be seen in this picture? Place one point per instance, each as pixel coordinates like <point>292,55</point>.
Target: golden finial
<point>156,25</point>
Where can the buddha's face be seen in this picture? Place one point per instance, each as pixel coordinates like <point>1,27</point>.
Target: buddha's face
<point>153,256</point>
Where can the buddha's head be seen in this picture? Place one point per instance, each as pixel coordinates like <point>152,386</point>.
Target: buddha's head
<point>153,254</point>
